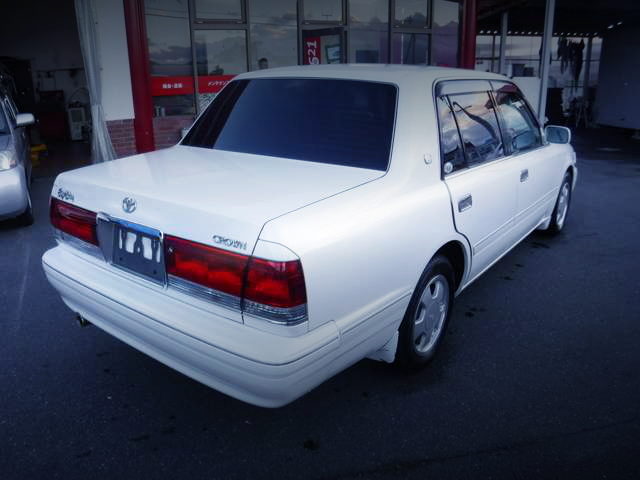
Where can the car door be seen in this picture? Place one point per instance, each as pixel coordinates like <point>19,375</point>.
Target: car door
<point>482,182</point>
<point>523,140</point>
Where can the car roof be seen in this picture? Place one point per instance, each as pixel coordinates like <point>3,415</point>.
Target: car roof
<point>373,72</point>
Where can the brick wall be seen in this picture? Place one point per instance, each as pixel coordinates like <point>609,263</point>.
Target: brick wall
<point>122,137</point>
<point>167,130</point>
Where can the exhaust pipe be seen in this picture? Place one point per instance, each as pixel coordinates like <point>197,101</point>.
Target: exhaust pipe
<point>83,322</point>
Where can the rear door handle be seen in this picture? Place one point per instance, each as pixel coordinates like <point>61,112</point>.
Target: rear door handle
<point>465,203</point>
<point>524,175</point>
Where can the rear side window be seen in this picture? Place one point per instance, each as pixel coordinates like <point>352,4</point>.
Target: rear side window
<point>520,128</point>
<point>450,145</point>
<point>341,122</point>
<point>478,126</point>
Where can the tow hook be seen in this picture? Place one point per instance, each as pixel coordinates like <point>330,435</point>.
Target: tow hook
<point>83,322</point>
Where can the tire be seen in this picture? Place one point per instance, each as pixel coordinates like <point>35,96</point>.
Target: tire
<point>26,218</point>
<point>427,317</point>
<point>561,209</point>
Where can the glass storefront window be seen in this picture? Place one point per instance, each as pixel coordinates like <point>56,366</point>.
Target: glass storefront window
<point>274,33</point>
<point>220,54</point>
<point>323,10</point>
<point>446,31</point>
<point>322,45</point>
<point>171,64</point>
<point>410,48</point>
<point>368,40</point>
<point>218,9</point>
<point>412,13</point>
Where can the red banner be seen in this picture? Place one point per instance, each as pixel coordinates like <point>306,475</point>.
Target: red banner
<point>312,54</point>
<point>183,85</point>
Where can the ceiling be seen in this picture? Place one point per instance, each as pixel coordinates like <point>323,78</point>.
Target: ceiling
<point>571,16</point>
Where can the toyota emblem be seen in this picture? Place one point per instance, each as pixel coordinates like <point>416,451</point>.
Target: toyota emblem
<point>129,204</point>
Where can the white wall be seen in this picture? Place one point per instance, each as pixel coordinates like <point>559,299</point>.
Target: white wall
<point>619,79</point>
<point>117,100</point>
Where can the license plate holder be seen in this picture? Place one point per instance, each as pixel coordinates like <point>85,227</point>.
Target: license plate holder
<point>138,250</point>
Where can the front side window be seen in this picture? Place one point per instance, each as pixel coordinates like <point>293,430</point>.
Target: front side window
<point>478,126</point>
<point>520,129</point>
<point>340,122</point>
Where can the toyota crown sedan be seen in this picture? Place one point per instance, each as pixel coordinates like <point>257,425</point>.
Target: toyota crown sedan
<point>311,217</point>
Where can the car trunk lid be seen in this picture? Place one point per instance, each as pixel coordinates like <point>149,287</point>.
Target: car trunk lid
<point>199,194</point>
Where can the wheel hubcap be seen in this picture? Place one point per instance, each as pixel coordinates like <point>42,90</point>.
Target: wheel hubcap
<point>430,314</point>
<point>563,204</point>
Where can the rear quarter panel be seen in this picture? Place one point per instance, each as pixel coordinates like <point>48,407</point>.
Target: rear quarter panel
<point>365,249</point>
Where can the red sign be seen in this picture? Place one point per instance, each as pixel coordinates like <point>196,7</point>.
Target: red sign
<point>162,86</point>
<point>312,51</point>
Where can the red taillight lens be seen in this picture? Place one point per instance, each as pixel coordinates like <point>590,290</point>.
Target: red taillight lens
<point>277,284</point>
<point>208,266</point>
<point>271,290</point>
<point>74,221</point>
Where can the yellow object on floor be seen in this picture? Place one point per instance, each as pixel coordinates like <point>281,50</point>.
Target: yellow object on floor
<point>35,153</point>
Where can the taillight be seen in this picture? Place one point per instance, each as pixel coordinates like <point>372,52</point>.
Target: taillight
<point>207,266</point>
<point>269,289</point>
<point>75,221</point>
<point>277,284</point>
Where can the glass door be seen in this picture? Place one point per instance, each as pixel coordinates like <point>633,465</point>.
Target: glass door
<point>219,39</point>
<point>323,33</point>
<point>220,54</point>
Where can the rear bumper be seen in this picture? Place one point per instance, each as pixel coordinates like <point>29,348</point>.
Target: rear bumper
<point>13,192</point>
<point>249,364</point>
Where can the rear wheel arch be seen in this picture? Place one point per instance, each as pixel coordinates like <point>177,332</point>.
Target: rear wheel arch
<point>455,252</point>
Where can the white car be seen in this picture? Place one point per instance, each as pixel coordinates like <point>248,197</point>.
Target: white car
<point>311,217</point>
<point>15,162</point>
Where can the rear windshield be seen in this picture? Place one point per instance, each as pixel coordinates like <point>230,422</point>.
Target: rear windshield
<point>341,122</point>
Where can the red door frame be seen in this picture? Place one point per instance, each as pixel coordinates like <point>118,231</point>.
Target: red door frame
<point>469,29</point>
<point>139,66</point>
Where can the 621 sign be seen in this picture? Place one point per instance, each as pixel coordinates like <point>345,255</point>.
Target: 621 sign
<point>312,52</point>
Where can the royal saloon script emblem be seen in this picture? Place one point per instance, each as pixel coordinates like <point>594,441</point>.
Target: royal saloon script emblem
<point>129,204</point>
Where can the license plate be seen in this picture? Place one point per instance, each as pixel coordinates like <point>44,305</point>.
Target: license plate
<point>138,250</point>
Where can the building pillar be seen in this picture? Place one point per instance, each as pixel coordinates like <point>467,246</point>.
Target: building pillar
<point>139,67</point>
<point>468,40</point>
<point>547,34</point>
<point>504,27</point>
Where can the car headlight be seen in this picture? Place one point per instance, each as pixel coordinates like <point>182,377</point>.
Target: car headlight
<point>7,160</point>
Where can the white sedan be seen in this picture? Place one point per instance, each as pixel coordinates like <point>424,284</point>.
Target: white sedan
<point>311,217</point>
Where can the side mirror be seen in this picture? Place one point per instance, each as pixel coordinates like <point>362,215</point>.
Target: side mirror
<point>557,134</point>
<point>25,119</point>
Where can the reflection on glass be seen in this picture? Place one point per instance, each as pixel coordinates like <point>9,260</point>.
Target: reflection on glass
<point>218,9</point>
<point>520,129</point>
<point>274,33</point>
<point>446,29</point>
<point>169,43</point>
<point>274,12</point>
<point>323,10</point>
<point>368,40</point>
<point>410,48</point>
<point>369,11</point>
<point>451,149</point>
<point>168,37</point>
<point>221,52</point>
<point>478,126</point>
<point>413,13</point>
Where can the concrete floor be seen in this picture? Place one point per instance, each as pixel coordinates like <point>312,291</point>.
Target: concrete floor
<point>538,376</point>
